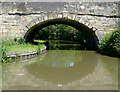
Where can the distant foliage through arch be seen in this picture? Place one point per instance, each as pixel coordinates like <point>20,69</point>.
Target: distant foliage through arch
<point>88,34</point>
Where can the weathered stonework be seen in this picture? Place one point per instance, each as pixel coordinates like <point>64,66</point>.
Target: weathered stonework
<point>15,21</point>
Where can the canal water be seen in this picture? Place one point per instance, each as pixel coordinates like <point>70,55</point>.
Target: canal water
<point>62,70</point>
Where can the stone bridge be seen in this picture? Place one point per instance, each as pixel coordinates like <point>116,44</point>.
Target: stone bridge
<point>16,18</point>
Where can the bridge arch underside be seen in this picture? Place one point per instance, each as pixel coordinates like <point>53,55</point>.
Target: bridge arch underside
<point>89,34</point>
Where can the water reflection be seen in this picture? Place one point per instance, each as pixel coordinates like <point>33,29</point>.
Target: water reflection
<point>59,58</point>
<point>63,69</point>
<point>63,45</point>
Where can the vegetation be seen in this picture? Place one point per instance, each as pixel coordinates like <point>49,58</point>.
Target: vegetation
<point>17,47</point>
<point>39,41</point>
<point>22,48</point>
<point>60,32</point>
<point>3,50</point>
<point>110,44</point>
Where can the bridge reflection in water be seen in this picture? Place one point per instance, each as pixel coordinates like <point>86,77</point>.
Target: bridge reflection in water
<point>63,69</point>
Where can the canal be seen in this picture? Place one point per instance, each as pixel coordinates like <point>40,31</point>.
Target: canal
<point>62,68</point>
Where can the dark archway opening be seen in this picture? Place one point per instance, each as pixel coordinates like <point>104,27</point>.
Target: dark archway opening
<point>61,37</point>
<point>87,33</point>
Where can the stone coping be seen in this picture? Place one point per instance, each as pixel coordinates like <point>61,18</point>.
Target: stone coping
<point>25,54</point>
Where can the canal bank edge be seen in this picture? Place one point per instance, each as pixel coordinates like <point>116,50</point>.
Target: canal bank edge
<point>26,54</point>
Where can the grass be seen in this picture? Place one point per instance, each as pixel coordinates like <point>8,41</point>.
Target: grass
<point>39,41</point>
<point>23,48</point>
<point>17,47</point>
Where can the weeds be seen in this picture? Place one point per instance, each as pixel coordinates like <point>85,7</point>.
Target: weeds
<point>39,50</point>
<point>110,44</point>
<point>3,50</point>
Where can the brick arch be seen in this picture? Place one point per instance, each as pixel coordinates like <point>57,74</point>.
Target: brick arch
<point>89,34</point>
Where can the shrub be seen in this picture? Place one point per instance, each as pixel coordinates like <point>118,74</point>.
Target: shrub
<point>110,44</point>
<point>21,41</point>
<point>40,47</point>
<point>3,50</point>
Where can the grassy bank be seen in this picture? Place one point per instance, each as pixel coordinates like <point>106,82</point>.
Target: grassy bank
<point>23,48</point>
<point>110,44</point>
<point>17,47</point>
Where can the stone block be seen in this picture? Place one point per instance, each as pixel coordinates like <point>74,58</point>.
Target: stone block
<point>40,18</point>
<point>65,15</point>
<point>73,17</point>
<point>69,16</point>
<point>37,21</point>
<point>60,16</point>
<point>78,18</point>
<point>28,26</point>
<point>82,20</point>
<point>50,16</point>
<point>55,15</point>
<point>90,25</point>
<point>45,17</point>
<point>87,23</point>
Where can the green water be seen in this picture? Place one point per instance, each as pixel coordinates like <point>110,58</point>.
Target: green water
<point>62,69</point>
